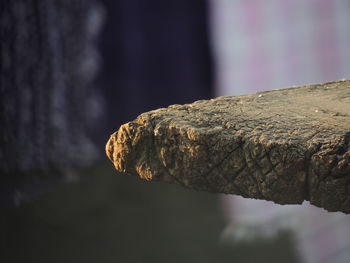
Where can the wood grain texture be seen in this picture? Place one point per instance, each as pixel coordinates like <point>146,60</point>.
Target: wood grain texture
<point>286,145</point>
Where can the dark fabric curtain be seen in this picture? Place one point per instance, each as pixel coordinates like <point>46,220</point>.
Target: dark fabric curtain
<point>53,109</point>
<point>47,65</point>
<point>155,53</point>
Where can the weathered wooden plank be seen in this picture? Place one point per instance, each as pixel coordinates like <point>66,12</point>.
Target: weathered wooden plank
<point>286,145</point>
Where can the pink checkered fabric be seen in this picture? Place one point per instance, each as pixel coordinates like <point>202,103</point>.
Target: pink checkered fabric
<point>269,44</point>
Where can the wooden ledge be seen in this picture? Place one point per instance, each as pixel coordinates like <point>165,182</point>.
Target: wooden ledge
<point>286,145</point>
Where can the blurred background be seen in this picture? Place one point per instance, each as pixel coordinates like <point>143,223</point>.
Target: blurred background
<point>72,71</point>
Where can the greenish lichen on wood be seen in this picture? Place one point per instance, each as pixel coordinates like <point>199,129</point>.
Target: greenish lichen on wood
<point>286,145</point>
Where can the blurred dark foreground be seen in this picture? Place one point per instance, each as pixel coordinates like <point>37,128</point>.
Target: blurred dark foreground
<point>111,217</point>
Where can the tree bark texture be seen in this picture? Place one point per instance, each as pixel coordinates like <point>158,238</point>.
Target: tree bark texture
<point>286,145</point>
<point>47,64</point>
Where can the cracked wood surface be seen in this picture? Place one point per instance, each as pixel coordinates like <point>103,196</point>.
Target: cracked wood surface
<point>286,145</point>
